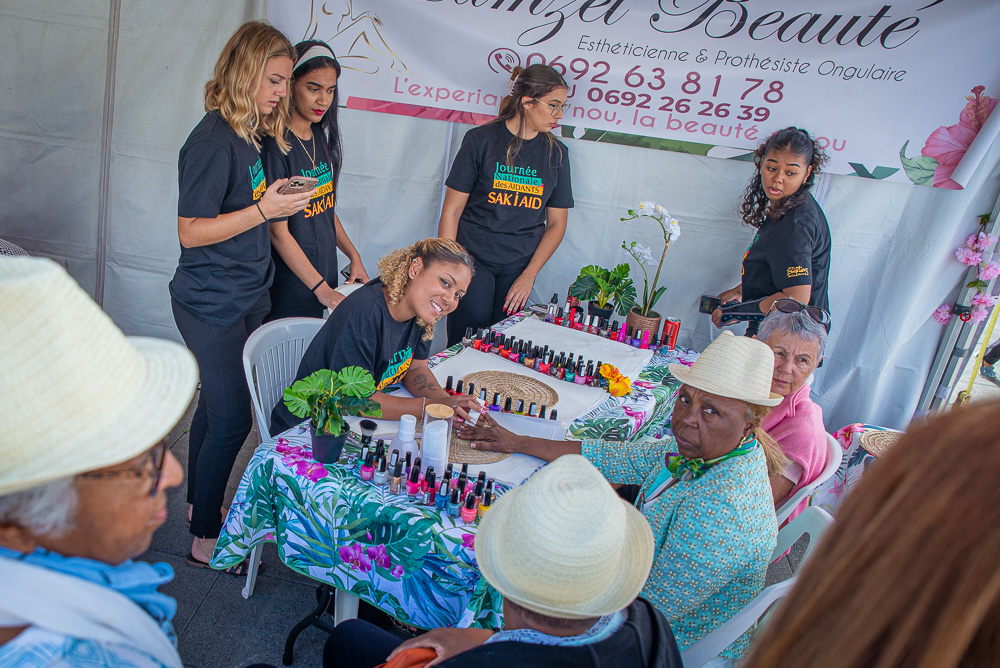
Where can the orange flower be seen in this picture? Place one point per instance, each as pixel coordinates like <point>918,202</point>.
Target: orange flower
<point>609,371</point>
<point>620,386</point>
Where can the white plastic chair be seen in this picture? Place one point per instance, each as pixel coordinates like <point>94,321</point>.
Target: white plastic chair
<point>812,521</point>
<point>271,357</point>
<point>834,457</point>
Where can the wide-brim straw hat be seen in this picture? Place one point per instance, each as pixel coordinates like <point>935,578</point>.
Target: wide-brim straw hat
<point>76,394</point>
<point>564,544</point>
<point>737,367</point>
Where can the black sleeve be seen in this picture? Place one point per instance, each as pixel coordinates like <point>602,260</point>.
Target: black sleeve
<point>276,164</point>
<point>351,341</point>
<point>791,259</point>
<point>422,350</point>
<point>562,194</point>
<point>465,169</point>
<point>203,179</point>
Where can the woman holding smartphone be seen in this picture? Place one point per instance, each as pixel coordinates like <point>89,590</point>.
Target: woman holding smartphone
<point>508,197</point>
<point>304,245</point>
<point>219,293</point>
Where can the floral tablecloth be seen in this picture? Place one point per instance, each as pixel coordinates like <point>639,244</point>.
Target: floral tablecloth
<point>411,561</point>
<point>854,465</point>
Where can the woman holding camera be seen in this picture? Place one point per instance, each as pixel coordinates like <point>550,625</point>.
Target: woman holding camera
<point>305,243</point>
<point>219,293</point>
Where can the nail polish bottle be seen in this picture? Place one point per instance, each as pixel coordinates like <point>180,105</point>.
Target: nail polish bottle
<point>396,481</point>
<point>654,344</point>
<point>541,413</point>
<point>592,327</point>
<point>543,366</point>
<point>507,405</point>
<point>482,397</point>
<point>477,492</point>
<point>469,513</point>
<point>519,410</point>
<point>581,374</point>
<point>408,461</point>
<point>602,330</point>
<point>449,385</point>
<point>522,352</point>
<point>413,483</point>
<point>393,458</point>
<point>533,409</point>
<point>495,406</point>
<point>448,469</point>
<point>486,503</point>
<point>645,340</point>
<point>561,371</point>
<point>622,333</point>
<point>365,449</point>
<point>570,375</point>
<point>368,468</point>
<point>529,358</point>
<point>558,320</point>
<point>465,470</point>
<point>441,498</point>
<point>487,344</point>
<point>590,373</point>
<point>381,476</point>
<point>552,415</point>
<point>467,339</point>
<point>537,358</point>
<point>477,342</point>
<point>481,477</point>
<point>430,489</point>
<point>379,449</point>
<point>460,387</point>
<point>454,505</point>
<point>515,352</point>
<point>579,326</point>
<point>471,390</point>
<point>463,483</point>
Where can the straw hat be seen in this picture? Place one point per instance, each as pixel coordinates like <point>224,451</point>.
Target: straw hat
<point>564,544</point>
<point>76,394</point>
<point>737,367</point>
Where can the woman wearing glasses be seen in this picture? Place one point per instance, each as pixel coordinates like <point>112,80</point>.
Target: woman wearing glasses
<point>304,245</point>
<point>507,199</point>
<point>790,254</point>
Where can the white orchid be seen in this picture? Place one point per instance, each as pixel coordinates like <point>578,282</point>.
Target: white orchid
<point>647,208</point>
<point>675,230</point>
<point>644,255</point>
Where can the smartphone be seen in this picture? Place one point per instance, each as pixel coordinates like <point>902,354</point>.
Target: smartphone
<point>709,304</point>
<point>298,184</point>
<point>346,273</point>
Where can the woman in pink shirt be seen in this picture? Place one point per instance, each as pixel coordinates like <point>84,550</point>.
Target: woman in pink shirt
<point>796,334</point>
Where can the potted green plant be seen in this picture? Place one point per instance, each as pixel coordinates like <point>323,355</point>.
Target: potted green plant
<point>326,398</point>
<point>642,316</point>
<point>604,290</point>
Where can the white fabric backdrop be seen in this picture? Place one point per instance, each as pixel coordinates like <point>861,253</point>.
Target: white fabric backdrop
<point>892,243</point>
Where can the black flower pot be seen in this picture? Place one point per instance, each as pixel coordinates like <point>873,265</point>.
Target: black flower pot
<point>603,313</point>
<point>327,448</point>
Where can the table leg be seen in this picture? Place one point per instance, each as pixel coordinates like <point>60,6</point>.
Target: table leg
<point>254,566</point>
<point>345,606</point>
<point>323,594</point>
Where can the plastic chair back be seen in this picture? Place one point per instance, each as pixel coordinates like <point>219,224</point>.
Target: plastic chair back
<point>271,357</point>
<point>834,457</point>
<point>813,521</point>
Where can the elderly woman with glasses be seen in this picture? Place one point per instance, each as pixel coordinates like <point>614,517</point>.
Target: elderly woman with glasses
<point>704,490</point>
<point>796,334</point>
<point>84,471</point>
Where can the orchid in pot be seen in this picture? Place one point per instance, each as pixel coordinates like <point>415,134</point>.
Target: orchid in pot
<point>326,397</point>
<point>604,289</point>
<point>642,316</point>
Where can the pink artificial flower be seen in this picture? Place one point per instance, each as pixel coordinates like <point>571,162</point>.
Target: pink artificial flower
<point>355,557</point>
<point>844,434</point>
<point>989,271</point>
<point>378,554</point>
<point>981,241</point>
<point>979,314</point>
<point>984,300</point>
<point>942,314</point>
<point>968,256</point>
<point>469,541</point>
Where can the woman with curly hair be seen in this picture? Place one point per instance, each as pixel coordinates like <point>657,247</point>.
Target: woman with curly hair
<point>789,257</point>
<point>386,327</point>
<point>219,293</point>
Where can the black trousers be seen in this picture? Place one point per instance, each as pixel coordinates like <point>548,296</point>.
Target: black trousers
<point>992,354</point>
<point>358,644</point>
<point>223,418</point>
<point>482,304</point>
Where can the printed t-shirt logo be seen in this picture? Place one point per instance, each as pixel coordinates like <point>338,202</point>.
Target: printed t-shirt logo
<point>398,365</point>
<point>323,198</point>
<point>794,272</point>
<point>258,184</point>
<point>743,269</point>
<point>521,185</point>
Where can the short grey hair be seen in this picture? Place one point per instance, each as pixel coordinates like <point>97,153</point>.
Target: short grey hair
<point>799,323</point>
<point>46,510</point>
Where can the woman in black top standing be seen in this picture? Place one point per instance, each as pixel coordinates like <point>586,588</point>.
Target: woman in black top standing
<point>507,198</point>
<point>219,293</point>
<point>789,256</point>
<point>305,244</point>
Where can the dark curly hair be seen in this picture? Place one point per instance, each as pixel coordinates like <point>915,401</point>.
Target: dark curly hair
<point>755,202</point>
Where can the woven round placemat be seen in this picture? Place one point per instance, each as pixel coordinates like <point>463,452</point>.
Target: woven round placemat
<point>879,442</point>
<point>515,386</point>
<point>461,453</point>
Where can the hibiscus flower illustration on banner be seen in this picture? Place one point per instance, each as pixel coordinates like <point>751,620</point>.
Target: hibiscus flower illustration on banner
<point>946,146</point>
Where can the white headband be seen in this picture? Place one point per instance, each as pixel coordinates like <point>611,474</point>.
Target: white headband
<point>315,51</point>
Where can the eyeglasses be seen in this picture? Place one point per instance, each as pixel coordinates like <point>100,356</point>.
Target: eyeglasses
<point>786,305</point>
<point>554,107</point>
<point>159,455</point>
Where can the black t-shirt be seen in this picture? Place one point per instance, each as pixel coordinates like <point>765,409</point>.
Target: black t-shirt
<point>313,227</point>
<point>218,172</point>
<point>360,332</point>
<point>792,251</point>
<point>505,216</point>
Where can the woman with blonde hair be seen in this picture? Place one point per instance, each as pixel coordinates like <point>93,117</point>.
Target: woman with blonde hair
<point>219,293</point>
<point>907,575</point>
<point>386,327</point>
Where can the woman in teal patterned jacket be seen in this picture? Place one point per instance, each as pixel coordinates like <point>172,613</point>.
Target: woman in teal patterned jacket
<point>704,490</point>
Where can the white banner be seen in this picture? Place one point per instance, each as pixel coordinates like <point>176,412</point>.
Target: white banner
<point>895,92</point>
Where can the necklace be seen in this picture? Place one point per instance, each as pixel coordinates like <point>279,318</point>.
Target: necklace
<point>312,142</point>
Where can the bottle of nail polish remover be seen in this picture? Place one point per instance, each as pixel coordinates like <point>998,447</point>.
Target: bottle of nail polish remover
<point>381,476</point>
<point>368,468</point>
<point>430,489</point>
<point>469,513</point>
<point>404,437</point>
<point>396,481</point>
<point>486,503</point>
<point>454,505</point>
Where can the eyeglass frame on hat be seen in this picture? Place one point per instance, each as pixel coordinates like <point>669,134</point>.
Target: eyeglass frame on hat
<point>820,315</point>
<point>564,107</point>
<point>156,472</point>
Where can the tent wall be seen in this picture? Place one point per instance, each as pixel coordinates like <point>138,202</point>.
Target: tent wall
<point>892,243</point>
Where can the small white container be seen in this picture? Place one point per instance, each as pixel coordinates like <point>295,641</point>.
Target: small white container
<point>435,446</point>
<point>403,441</point>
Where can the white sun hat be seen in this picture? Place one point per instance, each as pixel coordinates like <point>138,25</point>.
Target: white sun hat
<point>737,367</point>
<point>76,394</point>
<point>564,544</point>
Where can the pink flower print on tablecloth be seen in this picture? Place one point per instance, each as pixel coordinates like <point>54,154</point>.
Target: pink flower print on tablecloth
<point>397,571</point>
<point>844,434</point>
<point>378,554</point>
<point>469,541</point>
<point>354,556</point>
<point>301,463</point>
